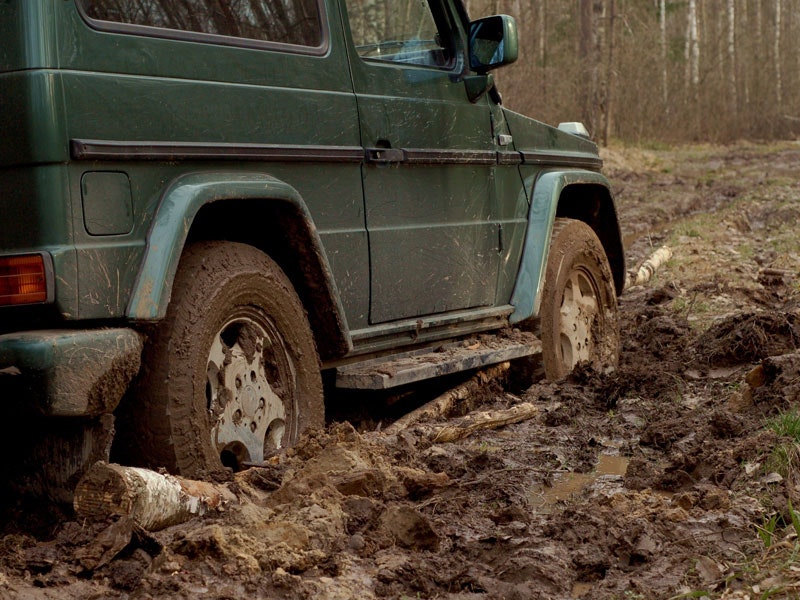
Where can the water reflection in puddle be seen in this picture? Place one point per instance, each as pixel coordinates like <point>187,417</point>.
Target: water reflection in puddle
<point>580,589</point>
<point>540,496</point>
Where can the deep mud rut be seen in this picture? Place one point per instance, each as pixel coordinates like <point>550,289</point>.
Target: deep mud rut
<point>657,481</point>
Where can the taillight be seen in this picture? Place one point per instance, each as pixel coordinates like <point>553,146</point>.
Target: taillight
<point>23,279</point>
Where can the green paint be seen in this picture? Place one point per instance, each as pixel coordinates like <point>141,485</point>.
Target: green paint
<point>409,193</point>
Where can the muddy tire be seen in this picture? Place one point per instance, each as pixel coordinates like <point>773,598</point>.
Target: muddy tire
<point>578,316</point>
<point>232,373</point>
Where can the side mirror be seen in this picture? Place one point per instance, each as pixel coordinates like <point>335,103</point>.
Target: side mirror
<point>493,42</point>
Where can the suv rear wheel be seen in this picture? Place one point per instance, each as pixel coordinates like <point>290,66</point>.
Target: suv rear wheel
<point>578,316</point>
<point>232,373</point>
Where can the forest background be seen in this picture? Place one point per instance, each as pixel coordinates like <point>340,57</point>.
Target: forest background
<point>656,70</point>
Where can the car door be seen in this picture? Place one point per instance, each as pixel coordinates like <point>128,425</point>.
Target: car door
<point>430,161</point>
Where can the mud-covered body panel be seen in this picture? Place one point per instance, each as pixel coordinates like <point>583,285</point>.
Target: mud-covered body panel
<point>405,209</point>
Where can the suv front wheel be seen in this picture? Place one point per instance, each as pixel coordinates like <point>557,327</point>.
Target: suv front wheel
<point>231,374</point>
<point>578,316</point>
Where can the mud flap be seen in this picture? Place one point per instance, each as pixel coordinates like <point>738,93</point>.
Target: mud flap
<point>45,458</point>
<point>58,390</point>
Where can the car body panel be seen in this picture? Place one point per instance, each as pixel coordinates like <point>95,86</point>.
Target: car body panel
<point>416,207</point>
<point>429,212</point>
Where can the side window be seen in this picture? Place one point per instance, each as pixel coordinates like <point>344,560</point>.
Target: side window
<point>403,31</point>
<point>295,22</point>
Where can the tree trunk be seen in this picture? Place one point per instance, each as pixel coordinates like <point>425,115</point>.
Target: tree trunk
<point>586,68</point>
<point>694,43</point>
<point>543,44</point>
<point>610,73</point>
<point>648,268</point>
<point>662,25</point>
<point>777,57</point>
<point>493,419</point>
<point>732,54</point>
<point>441,406</point>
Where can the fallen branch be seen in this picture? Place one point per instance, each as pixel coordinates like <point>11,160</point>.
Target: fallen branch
<point>493,419</point>
<point>152,500</point>
<point>440,406</point>
<point>649,267</point>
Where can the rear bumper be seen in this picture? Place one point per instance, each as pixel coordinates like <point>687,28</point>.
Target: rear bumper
<point>68,373</point>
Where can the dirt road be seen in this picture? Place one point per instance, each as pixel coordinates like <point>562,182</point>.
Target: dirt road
<point>672,477</point>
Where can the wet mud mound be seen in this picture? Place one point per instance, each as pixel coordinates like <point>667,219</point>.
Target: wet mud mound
<point>748,337</point>
<point>772,387</point>
<point>657,348</point>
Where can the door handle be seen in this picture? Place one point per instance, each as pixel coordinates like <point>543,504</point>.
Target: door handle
<point>385,155</point>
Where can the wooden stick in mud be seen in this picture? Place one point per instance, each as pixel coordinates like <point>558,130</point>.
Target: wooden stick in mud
<point>493,419</point>
<point>153,500</point>
<point>441,405</point>
<point>649,267</point>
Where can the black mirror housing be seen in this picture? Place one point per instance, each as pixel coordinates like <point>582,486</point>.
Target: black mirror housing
<point>493,43</point>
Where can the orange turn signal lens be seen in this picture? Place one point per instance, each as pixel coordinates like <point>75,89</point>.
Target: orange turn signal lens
<point>22,280</point>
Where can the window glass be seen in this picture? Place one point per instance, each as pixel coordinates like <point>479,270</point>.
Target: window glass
<point>285,21</point>
<point>399,31</point>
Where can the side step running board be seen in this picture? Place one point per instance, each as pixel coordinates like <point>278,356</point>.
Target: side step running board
<point>399,369</point>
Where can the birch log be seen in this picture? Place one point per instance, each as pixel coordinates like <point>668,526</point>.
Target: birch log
<point>649,267</point>
<point>154,501</point>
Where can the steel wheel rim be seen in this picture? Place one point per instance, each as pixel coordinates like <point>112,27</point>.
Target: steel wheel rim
<point>248,389</point>
<point>579,311</point>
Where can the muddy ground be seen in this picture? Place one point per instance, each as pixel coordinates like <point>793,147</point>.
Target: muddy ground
<point>666,479</point>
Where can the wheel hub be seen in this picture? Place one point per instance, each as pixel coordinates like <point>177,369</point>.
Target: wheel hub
<point>579,309</point>
<point>248,415</point>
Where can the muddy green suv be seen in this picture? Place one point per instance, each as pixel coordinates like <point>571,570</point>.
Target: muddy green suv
<point>208,207</point>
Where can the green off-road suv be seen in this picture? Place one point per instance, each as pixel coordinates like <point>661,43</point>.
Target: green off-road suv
<point>208,207</point>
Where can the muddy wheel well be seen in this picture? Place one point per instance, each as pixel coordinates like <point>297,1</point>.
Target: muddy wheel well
<point>279,229</point>
<point>593,205</point>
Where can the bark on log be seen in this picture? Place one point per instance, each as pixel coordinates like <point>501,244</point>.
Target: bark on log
<point>649,267</point>
<point>493,419</point>
<point>488,420</point>
<point>152,500</point>
<point>441,405</point>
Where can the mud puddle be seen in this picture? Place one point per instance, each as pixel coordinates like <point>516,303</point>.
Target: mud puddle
<point>610,470</point>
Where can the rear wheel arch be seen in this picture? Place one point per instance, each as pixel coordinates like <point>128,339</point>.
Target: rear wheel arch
<point>281,230</point>
<point>230,375</point>
<point>250,208</point>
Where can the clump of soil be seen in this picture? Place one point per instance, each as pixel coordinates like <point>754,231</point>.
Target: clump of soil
<point>748,337</point>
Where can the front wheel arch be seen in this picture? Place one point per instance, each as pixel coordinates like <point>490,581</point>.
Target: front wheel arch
<point>576,194</point>
<point>593,205</point>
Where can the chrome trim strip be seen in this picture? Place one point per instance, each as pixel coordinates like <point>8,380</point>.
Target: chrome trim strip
<point>125,150</point>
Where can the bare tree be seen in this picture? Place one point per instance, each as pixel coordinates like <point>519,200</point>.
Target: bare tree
<point>610,72</point>
<point>692,47</point>
<point>662,26</point>
<point>586,57</point>
<point>732,54</point>
<point>777,55</point>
